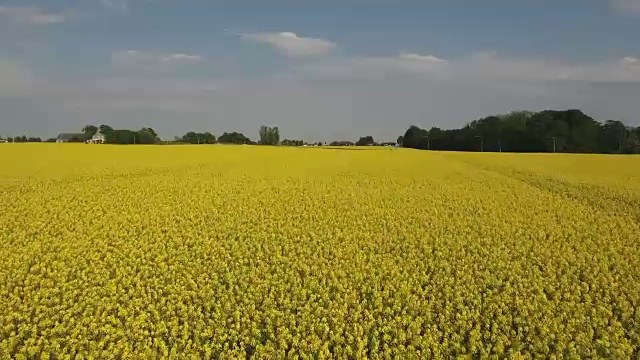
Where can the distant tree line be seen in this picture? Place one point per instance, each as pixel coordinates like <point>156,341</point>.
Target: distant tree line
<point>569,131</point>
<point>124,136</point>
<point>287,142</point>
<point>198,138</point>
<point>365,141</point>
<point>342,143</point>
<point>21,139</point>
<point>149,136</point>
<point>234,138</point>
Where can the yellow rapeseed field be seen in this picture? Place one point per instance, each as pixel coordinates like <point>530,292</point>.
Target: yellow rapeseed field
<point>192,252</point>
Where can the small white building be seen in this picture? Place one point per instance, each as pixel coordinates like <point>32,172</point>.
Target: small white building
<point>98,138</point>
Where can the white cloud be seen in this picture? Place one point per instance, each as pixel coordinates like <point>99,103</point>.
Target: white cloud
<point>626,7</point>
<point>631,61</point>
<point>291,44</point>
<point>121,5</point>
<point>32,15</point>
<point>181,59</point>
<point>485,66</point>
<point>422,89</point>
<point>420,58</point>
<point>379,67</point>
<point>133,58</point>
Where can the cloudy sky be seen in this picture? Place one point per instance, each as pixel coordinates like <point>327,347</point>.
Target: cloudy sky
<point>319,69</point>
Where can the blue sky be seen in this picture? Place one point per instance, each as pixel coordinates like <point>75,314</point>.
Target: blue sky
<point>320,70</point>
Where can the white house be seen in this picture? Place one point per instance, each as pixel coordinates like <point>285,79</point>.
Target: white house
<point>98,138</point>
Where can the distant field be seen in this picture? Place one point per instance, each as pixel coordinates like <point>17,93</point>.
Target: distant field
<point>198,252</point>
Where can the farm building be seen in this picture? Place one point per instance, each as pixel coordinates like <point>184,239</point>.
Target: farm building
<point>98,138</point>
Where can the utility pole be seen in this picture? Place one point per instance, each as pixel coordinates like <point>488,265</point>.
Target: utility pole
<point>481,142</point>
<point>622,135</point>
<point>500,145</point>
<point>554,142</point>
<point>428,141</point>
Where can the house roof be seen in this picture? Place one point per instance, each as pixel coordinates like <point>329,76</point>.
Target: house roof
<point>69,136</point>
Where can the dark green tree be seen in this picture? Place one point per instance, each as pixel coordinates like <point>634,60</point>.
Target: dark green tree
<point>415,138</point>
<point>233,138</point>
<point>105,129</point>
<point>365,141</point>
<point>632,141</point>
<point>90,130</point>
<point>146,136</point>
<point>269,135</point>
<point>522,131</point>
<point>287,142</point>
<point>613,136</point>
<point>152,132</point>
<point>199,138</point>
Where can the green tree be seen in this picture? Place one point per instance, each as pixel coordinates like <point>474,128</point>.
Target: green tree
<point>415,138</point>
<point>199,138</point>
<point>121,137</point>
<point>632,141</point>
<point>287,142</point>
<point>146,136</point>
<point>365,141</point>
<point>269,135</point>
<point>152,132</point>
<point>191,138</point>
<point>523,131</point>
<point>613,136</point>
<point>233,138</point>
<point>106,129</point>
<point>208,138</point>
<point>90,130</point>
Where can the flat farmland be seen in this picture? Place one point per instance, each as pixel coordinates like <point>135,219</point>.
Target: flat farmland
<point>192,252</point>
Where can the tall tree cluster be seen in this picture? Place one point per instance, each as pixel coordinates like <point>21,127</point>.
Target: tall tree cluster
<point>90,130</point>
<point>569,131</point>
<point>123,136</point>
<point>269,135</point>
<point>365,141</point>
<point>287,142</point>
<point>22,139</point>
<point>198,138</point>
<point>234,138</point>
